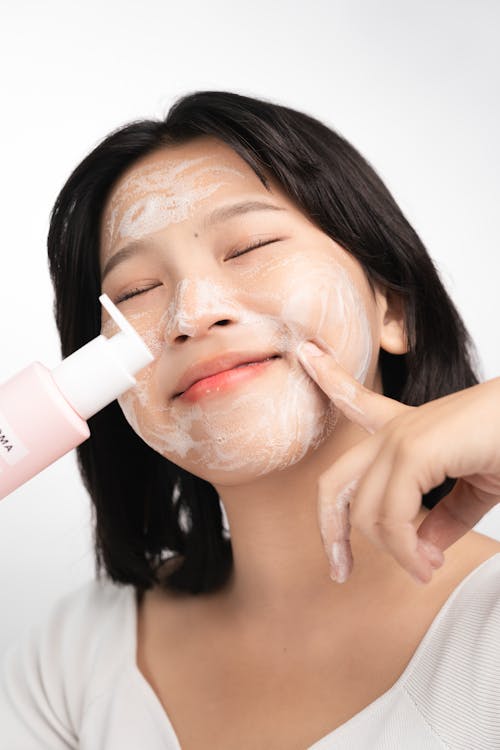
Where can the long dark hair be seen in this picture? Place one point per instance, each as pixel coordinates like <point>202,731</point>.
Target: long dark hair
<point>147,510</point>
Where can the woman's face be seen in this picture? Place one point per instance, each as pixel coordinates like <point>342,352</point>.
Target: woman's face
<point>196,299</point>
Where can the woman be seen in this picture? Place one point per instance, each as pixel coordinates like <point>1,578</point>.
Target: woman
<point>232,234</point>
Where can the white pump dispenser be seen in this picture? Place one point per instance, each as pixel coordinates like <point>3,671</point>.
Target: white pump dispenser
<point>43,413</point>
<point>96,374</point>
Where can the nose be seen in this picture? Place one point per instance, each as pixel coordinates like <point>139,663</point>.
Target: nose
<point>202,325</point>
<point>197,307</point>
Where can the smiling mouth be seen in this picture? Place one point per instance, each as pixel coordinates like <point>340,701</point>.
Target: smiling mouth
<point>257,362</point>
<point>223,377</point>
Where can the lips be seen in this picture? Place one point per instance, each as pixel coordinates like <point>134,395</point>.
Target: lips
<point>218,364</point>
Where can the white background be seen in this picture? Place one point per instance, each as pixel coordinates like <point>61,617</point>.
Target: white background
<point>414,86</point>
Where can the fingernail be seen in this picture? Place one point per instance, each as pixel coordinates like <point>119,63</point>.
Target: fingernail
<point>433,553</point>
<point>339,563</point>
<point>308,349</point>
<point>338,575</point>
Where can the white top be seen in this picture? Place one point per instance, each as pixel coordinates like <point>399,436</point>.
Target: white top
<point>73,682</point>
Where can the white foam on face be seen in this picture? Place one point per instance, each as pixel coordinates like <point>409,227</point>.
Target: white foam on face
<point>272,420</point>
<point>159,196</point>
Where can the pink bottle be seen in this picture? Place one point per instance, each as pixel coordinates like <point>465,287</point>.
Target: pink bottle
<point>43,413</point>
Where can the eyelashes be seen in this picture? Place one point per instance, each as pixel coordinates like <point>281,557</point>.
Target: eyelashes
<point>260,243</point>
<point>133,293</point>
<point>141,290</point>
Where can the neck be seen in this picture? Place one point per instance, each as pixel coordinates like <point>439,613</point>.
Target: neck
<point>280,565</point>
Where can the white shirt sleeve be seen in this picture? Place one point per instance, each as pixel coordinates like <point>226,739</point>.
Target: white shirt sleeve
<point>33,710</point>
<point>48,675</point>
<point>52,675</point>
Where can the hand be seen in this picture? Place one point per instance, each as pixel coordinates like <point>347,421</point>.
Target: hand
<point>377,485</point>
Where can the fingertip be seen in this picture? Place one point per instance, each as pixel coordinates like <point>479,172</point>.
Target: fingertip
<point>431,552</point>
<point>309,349</point>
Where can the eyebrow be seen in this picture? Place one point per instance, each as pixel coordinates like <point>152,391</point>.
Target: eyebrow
<point>223,213</point>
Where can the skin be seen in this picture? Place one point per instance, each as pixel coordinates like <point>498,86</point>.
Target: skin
<point>275,296</point>
<point>377,484</point>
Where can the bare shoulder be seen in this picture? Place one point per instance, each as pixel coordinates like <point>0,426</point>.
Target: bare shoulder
<point>465,556</point>
<point>480,546</point>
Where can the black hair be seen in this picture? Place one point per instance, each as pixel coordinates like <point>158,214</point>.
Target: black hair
<point>147,511</point>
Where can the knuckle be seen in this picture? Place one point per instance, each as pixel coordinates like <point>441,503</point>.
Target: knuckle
<point>386,528</point>
<point>405,448</point>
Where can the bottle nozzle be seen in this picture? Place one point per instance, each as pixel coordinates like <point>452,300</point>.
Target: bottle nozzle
<point>103,369</point>
<point>120,319</point>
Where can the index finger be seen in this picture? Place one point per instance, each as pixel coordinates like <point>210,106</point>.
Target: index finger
<point>361,405</point>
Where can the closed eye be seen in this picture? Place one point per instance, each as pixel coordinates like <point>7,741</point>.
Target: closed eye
<point>137,291</point>
<point>260,243</point>
<point>133,293</point>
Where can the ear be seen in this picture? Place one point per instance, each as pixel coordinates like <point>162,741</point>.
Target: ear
<point>391,317</point>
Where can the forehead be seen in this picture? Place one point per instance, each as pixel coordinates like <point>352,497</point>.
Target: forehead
<point>173,168</point>
<point>176,179</point>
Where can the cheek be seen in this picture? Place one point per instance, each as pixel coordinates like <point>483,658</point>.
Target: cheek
<point>318,299</point>
<point>287,300</point>
<point>146,323</point>
<point>141,399</point>
<point>136,403</point>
